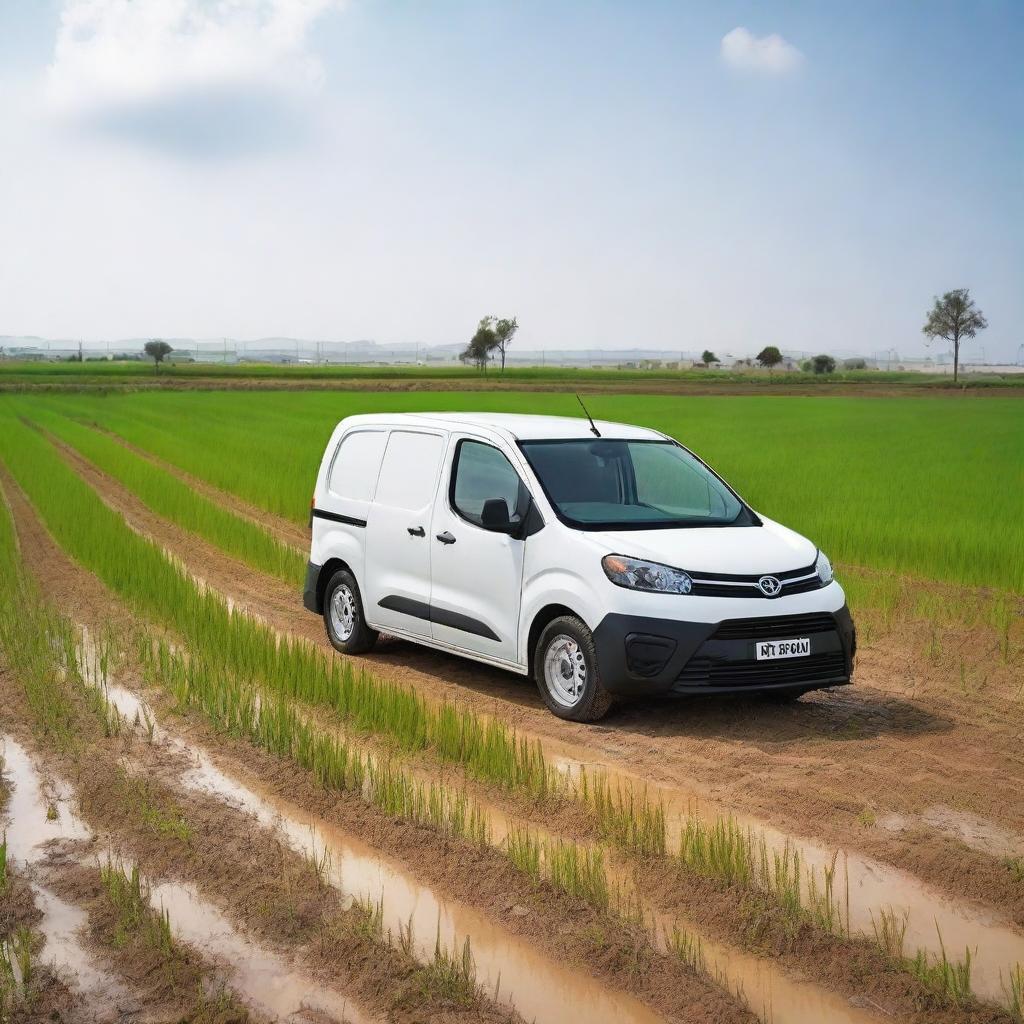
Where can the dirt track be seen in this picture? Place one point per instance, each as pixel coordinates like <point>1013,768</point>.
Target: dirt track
<point>812,769</point>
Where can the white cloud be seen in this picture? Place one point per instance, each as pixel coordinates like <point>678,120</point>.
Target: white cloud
<point>115,55</point>
<point>772,55</point>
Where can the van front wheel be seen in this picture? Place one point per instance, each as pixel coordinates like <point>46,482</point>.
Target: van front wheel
<point>343,615</point>
<point>566,672</point>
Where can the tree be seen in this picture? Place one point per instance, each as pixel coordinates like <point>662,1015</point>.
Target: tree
<point>504,332</point>
<point>708,357</point>
<point>481,345</point>
<point>769,356</point>
<point>823,364</point>
<point>855,364</point>
<point>157,350</point>
<point>953,318</point>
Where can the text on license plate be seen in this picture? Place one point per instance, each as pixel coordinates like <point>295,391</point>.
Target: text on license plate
<point>768,649</point>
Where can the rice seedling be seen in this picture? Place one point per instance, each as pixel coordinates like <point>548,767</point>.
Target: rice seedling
<point>371,916</point>
<point>576,870</point>
<point>3,864</point>
<point>1015,865</point>
<point>523,848</point>
<point>1014,991</point>
<point>451,975</point>
<point>949,980</point>
<point>686,948</point>
<point>17,974</point>
<point>720,850</point>
<point>624,818</point>
<point>21,945</point>
<point>890,931</point>
<point>159,818</point>
<point>136,920</point>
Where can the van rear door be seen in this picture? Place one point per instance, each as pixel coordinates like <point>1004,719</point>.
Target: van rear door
<point>396,588</point>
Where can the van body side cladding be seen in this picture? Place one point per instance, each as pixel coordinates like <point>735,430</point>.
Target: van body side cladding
<point>640,656</point>
<point>334,517</point>
<point>443,617</point>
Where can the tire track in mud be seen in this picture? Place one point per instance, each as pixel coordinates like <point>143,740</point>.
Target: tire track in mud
<point>797,768</point>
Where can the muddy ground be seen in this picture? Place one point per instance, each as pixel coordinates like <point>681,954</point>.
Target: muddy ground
<point>910,766</point>
<point>846,767</point>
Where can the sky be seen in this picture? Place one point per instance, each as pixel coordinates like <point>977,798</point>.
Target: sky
<point>683,176</point>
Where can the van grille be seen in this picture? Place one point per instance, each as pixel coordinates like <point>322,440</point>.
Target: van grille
<point>818,668</point>
<point>774,627</point>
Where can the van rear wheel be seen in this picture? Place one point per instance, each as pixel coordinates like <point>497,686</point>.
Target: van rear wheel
<point>343,615</point>
<point>566,672</point>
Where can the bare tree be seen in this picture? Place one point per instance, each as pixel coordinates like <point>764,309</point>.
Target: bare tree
<point>953,318</point>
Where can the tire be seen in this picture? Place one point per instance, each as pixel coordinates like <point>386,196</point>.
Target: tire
<point>343,615</point>
<point>573,694</point>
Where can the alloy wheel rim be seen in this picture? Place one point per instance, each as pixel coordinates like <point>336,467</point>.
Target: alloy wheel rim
<point>565,671</point>
<point>343,612</point>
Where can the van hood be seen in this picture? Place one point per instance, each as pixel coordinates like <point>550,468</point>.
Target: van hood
<point>745,550</point>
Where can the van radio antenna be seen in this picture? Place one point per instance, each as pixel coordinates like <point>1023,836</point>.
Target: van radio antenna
<point>593,429</point>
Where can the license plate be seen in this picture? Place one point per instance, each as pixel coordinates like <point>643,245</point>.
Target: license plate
<point>767,650</point>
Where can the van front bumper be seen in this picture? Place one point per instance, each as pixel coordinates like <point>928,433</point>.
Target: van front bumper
<point>640,656</point>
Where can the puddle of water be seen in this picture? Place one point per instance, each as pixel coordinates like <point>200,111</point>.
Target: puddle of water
<point>524,977</point>
<point>31,826</point>
<point>30,829</point>
<point>62,927</point>
<point>972,830</point>
<point>995,946</point>
<point>263,979</point>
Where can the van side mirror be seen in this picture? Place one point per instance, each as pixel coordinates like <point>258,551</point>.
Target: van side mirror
<point>494,516</point>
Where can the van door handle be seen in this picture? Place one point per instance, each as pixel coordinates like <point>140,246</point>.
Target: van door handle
<point>446,538</point>
<point>416,531</point>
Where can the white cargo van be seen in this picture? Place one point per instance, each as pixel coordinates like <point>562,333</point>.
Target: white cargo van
<point>602,559</point>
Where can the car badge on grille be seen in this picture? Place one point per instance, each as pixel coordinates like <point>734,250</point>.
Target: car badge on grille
<point>769,586</point>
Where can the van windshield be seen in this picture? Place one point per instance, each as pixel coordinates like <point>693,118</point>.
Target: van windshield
<point>611,484</point>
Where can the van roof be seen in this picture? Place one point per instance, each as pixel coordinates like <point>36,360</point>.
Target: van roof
<point>517,427</point>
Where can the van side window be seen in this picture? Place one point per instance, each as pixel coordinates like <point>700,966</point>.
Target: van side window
<point>354,471</point>
<point>482,472</point>
<point>408,475</point>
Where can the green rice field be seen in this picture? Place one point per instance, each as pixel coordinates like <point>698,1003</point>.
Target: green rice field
<point>931,487</point>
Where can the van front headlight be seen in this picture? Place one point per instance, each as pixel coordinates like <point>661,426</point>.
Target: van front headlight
<point>636,574</point>
<point>823,567</point>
